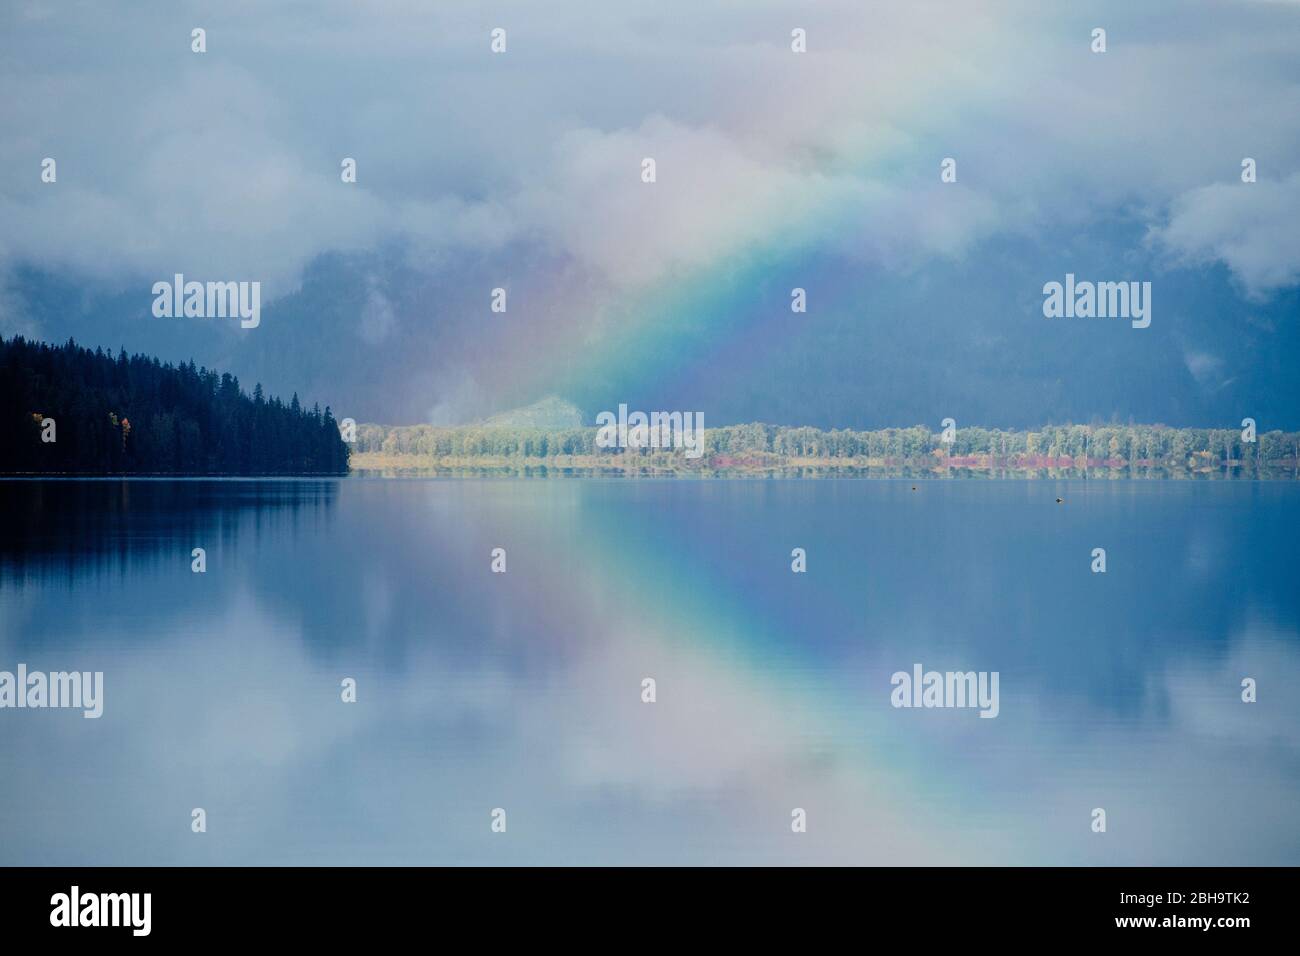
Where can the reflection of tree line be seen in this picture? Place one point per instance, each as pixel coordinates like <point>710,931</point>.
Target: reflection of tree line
<point>48,523</point>
<point>132,414</point>
<point>1156,448</point>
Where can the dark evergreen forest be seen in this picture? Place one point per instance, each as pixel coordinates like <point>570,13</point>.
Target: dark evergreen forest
<point>67,409</point>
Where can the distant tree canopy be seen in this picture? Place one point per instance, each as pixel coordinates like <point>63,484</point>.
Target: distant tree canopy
<point>1050,446</point>
<point>135,415</point>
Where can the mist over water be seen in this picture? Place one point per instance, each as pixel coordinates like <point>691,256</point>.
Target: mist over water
<point>523,690</point>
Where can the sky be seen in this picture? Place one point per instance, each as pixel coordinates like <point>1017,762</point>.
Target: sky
<point>775,170</point>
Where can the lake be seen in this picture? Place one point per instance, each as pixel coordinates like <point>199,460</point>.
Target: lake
<point>523,691</point>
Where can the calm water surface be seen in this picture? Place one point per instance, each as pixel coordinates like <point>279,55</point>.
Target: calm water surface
<point>523,690</point>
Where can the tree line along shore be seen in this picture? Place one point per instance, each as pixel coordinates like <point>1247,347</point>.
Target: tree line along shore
<point>65,409</point>
<point>761,447</point>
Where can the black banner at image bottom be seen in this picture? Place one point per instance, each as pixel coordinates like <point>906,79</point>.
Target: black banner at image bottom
<point>373,904</point>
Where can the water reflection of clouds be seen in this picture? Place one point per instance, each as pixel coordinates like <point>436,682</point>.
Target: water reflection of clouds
<point>523,691</point>
<point>1204,696</point>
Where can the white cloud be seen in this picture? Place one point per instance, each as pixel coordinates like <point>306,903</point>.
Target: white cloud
<point>226,163</point>
<point>1251,227</point>
<point>377,318</point>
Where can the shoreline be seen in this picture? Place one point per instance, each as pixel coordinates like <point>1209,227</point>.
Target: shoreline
<point>380,464</point>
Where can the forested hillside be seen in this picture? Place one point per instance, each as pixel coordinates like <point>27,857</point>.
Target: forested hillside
<point>67,409</point>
